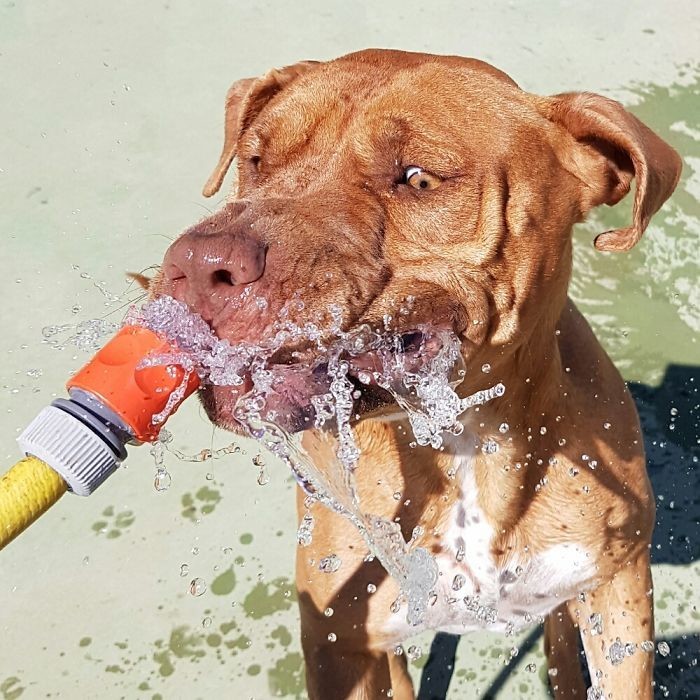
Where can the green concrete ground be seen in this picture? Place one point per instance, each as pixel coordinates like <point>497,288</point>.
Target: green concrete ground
<point>111,118</point>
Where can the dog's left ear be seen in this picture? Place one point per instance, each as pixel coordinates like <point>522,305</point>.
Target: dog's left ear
<point>244,100</point>
<point>612,147</point>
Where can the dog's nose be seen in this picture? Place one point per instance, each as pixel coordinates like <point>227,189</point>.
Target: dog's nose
<point>209,264</point>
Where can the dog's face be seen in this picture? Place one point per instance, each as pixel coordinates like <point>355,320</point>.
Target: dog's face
<point>400,190</point>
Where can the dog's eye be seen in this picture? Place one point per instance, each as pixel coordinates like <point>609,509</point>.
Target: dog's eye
<point>255,162</point>
<point>419,179</point>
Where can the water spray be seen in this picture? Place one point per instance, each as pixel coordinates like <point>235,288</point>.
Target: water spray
<point>75,444</point>
<point>125,394</point>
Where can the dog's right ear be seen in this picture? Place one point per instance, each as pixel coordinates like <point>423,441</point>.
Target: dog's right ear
<point>244,101</point>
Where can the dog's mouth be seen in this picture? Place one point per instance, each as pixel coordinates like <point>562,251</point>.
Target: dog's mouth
<point>302,377</point>
<point>294,389</point>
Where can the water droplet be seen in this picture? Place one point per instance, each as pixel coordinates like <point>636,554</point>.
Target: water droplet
<point>486,368</point>
<point>607,425</point>
<point>663,648</point>
<point>503,428</point>
<point>489,447</point>
<point>531,668</point>
<point>328,612</point>
<point>162,480</point>
<point>414,652</point>
<point>184,569</point>
<point>458,582</point>
<point>332,637</point>
<point>371,588</point>
<point>304,536</point>
<point>398,650</point>
<point>595,622</point>
<point>206,622</point>
<point>616,653</point>
<point>258,460</point>
<point>198,587</point>
<point>364,377</point>
<point>330,564</point>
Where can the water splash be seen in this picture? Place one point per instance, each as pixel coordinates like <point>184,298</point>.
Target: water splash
<point>420,372</point>
<point>87,336</point>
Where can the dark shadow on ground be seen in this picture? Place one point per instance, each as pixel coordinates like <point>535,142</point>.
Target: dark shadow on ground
<point>670,416</point>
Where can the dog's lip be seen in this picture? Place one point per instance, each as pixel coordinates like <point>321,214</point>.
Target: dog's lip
<point>307,376</point>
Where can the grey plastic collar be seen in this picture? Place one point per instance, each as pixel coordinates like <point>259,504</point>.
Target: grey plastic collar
<point>71,448</point>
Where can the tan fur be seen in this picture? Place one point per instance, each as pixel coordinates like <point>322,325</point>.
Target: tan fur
<point>321,148</point>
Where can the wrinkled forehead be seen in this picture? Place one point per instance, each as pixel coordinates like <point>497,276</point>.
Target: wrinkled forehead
<point>384,101</point>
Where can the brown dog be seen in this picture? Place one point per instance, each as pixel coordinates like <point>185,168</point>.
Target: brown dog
<point>383,175</point>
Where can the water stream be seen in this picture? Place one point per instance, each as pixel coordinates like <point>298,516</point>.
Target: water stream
<point>420,374</point>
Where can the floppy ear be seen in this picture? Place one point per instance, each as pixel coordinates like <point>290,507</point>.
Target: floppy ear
<point>140,279</point>
<point>614,147</point>
<point>244,101</point>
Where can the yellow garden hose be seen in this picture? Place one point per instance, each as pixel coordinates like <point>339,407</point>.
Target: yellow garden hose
<point>27,491</point>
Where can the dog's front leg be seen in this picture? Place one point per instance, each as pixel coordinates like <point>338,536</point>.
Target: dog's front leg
<point>615,619</point>
<point>340,674</point>
<point>561,646</point>
<point>342,616</point>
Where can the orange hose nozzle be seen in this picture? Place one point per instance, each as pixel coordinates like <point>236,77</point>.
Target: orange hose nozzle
<point>136,394</point>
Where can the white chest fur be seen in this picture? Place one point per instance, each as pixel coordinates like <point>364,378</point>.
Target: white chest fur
<point>473,592</point>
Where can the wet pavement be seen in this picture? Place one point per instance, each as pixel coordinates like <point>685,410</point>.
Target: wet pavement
<point>112,119</point>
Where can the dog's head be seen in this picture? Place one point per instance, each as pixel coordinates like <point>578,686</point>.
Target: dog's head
<point>396,188</point>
